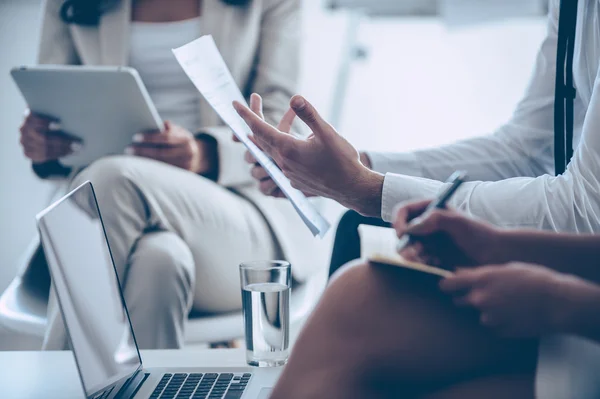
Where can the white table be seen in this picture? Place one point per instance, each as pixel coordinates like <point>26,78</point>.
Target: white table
<point>50,375</point>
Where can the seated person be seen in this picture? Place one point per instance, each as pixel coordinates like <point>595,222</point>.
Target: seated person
<point>386,332</point>
<point>514,163</point>
<point>182,212</point>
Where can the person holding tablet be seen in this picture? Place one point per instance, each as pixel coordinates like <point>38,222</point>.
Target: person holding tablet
<point>181,209</point>
<point>474,334</point>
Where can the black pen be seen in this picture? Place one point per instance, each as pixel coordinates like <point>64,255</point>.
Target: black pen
<point>456,179</point>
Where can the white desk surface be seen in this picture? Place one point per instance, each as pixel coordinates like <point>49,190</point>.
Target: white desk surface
<point>49,375</point>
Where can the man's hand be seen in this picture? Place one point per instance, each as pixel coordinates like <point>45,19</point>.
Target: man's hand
<point>325,164</point>
<point>42,140</point>
<point>517,300</point>
<point>266,185</point>
<point>447,238</point>
<point>175,146</point>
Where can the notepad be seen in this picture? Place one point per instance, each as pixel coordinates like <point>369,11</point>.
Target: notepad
<point>399,261</point>
<point>206,68</point>
<point>378,246</point>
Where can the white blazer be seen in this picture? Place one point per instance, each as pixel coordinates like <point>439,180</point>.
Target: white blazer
<point>260,44</point>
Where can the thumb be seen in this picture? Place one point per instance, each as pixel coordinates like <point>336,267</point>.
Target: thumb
<point>309,115</point>
<point>168,125</point>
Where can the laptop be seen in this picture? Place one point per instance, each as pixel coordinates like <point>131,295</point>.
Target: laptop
<point>97,321</point>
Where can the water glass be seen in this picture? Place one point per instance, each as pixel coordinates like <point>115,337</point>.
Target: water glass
<point>266,289</point>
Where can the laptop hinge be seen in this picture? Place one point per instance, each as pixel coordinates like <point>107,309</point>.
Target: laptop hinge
<point>134,384</point>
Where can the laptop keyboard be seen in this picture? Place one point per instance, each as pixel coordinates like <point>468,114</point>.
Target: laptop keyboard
<point>201,386</point>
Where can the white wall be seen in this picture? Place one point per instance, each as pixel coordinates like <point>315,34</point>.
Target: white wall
<point>22,195</point>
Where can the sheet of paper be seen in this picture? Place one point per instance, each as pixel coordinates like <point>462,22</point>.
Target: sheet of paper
<point>204,65</point>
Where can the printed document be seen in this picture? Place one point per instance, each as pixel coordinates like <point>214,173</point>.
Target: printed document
<point>204,65</point>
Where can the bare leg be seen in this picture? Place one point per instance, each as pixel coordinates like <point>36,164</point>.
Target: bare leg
<point>385,332</point>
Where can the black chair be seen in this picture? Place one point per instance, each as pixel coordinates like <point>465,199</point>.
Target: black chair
<point>346,246</point>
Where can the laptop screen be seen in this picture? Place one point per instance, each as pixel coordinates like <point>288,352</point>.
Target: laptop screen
<point>88,291</point>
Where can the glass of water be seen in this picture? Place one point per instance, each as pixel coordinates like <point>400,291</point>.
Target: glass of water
<point>266,289</point>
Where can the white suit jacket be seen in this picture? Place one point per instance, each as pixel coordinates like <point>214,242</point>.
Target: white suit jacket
<point>260,44</point>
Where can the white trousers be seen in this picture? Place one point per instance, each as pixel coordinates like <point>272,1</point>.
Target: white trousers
<point>177,240</point>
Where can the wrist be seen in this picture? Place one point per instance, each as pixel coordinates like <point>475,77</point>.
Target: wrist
<point>575,304</point>
<point>366,194</point>
<point>508,247</point>
<point>499,250</point>
<point>365,160</point>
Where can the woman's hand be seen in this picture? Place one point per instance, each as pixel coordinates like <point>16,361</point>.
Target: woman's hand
<point>175,146</point>
<point>325,164</point>
<point>42,140</point>
<point>447,238</point>
<point>517,300</point>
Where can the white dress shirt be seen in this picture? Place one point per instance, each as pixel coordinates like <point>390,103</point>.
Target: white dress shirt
<point>512,169</point>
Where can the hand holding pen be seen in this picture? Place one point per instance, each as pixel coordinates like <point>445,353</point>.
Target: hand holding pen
<point>455,180</point>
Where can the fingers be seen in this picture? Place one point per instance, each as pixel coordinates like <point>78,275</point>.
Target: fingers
<point>269,139</point>
<point>249,158</point>
<point>439,220</point>
<point>413,252</point>
<point>462,280</point>
<point>256,105</point>
<point>268,187</point>
<point>48,151</point>
<point>40,153</point>
<point>405,212</point>
<point>309,115</point>
<point>41,144</point>
<point>285,125</point>
<point>259,173</point>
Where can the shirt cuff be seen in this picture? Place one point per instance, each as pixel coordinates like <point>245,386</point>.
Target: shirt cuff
<point>400,188</point>
<point>401,163</point>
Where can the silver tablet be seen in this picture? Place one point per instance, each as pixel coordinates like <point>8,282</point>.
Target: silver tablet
<point>103,106</point>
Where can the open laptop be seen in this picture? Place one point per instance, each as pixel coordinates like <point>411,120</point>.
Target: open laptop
<point>97,321</point>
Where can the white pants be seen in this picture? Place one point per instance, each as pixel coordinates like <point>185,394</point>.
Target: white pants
<point>177,240</point>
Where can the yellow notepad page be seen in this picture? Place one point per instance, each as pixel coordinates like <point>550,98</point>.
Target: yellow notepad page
<point>399,261</point>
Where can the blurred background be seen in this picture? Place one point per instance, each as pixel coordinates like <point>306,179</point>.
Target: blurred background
<point>390,74</point>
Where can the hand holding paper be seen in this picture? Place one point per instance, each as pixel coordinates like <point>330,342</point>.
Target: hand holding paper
<point>266,185</point>
<point>204,65</point>
<point>324,164</point>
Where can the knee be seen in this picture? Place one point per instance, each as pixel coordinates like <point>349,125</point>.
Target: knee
<point>109,175</point>
<point>165,265</point>
<point>348,272</point>
<point>348,293</point>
